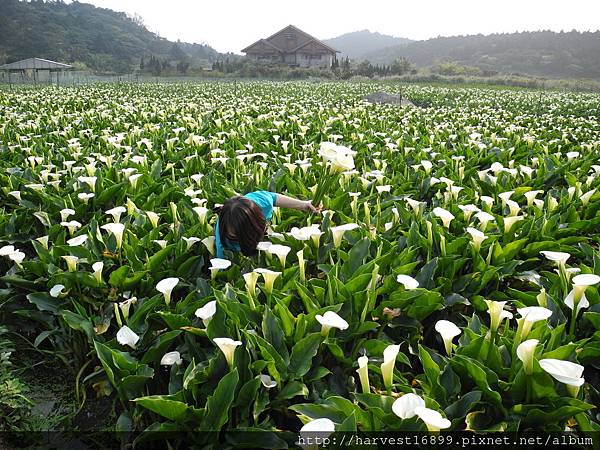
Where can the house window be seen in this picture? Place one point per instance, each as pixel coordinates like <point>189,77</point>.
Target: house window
<point>315,56</point>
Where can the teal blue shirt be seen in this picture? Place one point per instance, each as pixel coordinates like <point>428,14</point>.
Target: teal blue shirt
<point>265,201</point>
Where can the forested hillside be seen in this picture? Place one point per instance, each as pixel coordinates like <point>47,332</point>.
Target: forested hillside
<point>98,38</point>
<point>542,53</point>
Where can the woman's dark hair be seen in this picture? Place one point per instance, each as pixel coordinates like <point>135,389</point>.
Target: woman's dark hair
<point>242,221</point>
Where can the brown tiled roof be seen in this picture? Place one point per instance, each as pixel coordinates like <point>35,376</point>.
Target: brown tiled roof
<point>306,39</point>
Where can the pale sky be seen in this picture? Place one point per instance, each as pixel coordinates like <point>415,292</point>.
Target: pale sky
<point>231,25</point>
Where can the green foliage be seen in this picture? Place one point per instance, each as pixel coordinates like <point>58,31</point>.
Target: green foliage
<point>216,352</point>
<point>14,404</point>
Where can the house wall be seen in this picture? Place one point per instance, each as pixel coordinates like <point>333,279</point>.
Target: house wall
<point>304,59</point>
<point>264,57</point>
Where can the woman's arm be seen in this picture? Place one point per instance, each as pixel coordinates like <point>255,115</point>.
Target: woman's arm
<point>284,201</point>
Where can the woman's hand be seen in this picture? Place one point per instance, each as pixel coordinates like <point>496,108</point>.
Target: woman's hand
<point>284,201</point>
<point>310,208</point>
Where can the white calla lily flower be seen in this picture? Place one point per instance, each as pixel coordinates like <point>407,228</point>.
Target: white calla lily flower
<point>269,277</point>
<point>77,241</point>
<point>171,358</point>
<point>407,281</point>
<point>7,250</point>
<point>477,236</point>
<point>306,233</point>
<point>495,310</point>
<point>72,226</point>
<point>201,212</point>
<point>576,299</point>
<point>510,221</point>
<point>250,278</point>
<point>281,251</point>
<point>209,243</point>
<point>484,218</point>
<point>301,265</point>
<point>318,425</point>
<point>65,214</point>
<point>445,215</point>
<point>560,258</point>
<point>126,336</point>
<point>207,311</point>
<point>263,246</point>
<point>161,242</point>
<point>330,320</point>
<point>525,352</point>
<point>71,262</point>
<point>166,287</point>
<point>153,218</point>
<point>531,195</point>
<point>117,230</point>
<point>363,373</point>
<point>448,331</point>
<point>44,241</point>
<point>217,264</point>
<point>505,196</point>
<point>90,181</point>
<point>267,381</point>
<point>227,346</point>
<point>56,290</point>
<point>85,197</point>
<point>189,242</point>
<point>530,315</point>
<point>126,305</point>
<point>513,207</point>
<point>585,198</point>
<point>17,256</point>
<point>565,372</point>
<point>468,210</point>
<point>404,407</point>
<point>97,268</point>
<point>433,419</point>
<point>338,232</point>
<point>116,213</point>
<point>387,367</point>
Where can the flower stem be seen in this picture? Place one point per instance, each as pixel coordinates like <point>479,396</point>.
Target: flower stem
<point>572,324</point>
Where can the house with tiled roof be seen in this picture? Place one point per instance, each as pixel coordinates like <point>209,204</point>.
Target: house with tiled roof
<point>294,47</point>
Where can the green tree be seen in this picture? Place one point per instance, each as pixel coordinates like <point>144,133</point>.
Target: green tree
<point>400,66</point>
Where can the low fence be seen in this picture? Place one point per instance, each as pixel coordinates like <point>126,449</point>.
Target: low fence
<point>73,78</point>
<point>67,78</point>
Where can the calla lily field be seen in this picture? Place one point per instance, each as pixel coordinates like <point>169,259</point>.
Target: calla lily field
<point>450,281</point>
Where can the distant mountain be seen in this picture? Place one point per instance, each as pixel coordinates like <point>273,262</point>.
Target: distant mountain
<point>540,53</point>
<point>358,44</point>
<point>101,39</point>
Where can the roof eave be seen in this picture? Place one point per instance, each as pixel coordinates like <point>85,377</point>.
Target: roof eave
<point>262,41</point>
<point>333,50</point>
